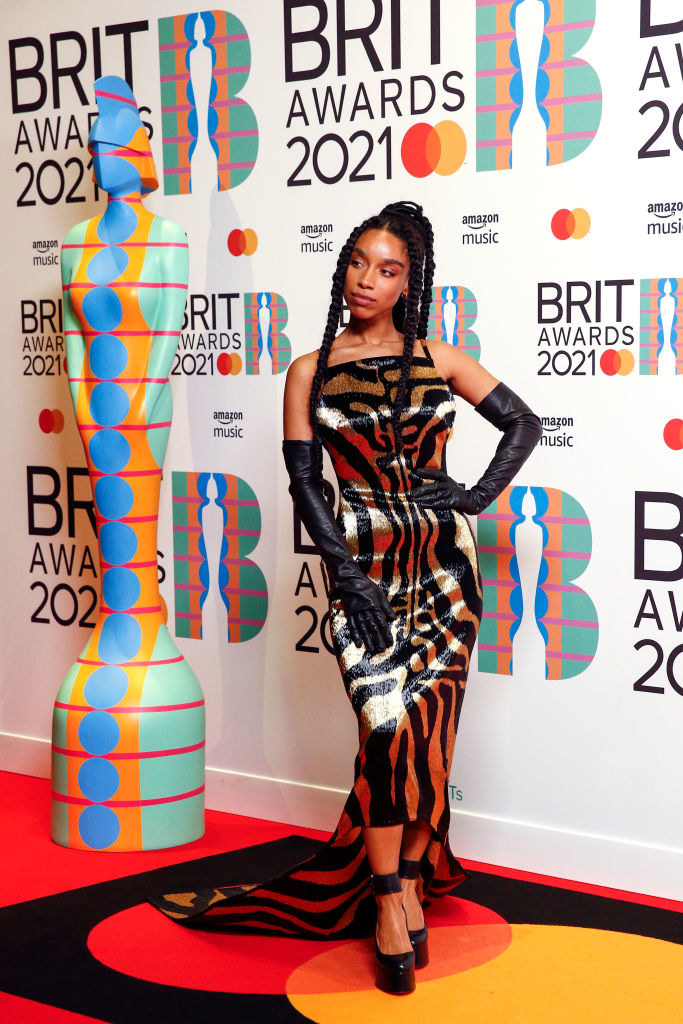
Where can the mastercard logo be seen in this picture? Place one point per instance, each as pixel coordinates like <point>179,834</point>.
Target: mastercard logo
<point>613,362</point>
<point>439,149</point>
<point>570,224</point>
<point>51,421</point>
<point>242,243</point>
<point>228,363</point>
<point>673,435</point>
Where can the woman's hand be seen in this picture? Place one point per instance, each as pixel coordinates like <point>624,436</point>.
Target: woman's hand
<point>367,609</point>
<point>443,492</point>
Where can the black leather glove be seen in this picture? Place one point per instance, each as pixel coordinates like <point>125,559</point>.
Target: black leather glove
<point>522,432</point>
<point>368,612</point>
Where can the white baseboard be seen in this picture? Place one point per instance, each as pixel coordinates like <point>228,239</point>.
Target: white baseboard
<point>599,860</point>
<point>616,863</point>
<point>25,755</point>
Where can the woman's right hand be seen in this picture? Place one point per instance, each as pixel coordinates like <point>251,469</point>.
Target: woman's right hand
<point>366,607</point>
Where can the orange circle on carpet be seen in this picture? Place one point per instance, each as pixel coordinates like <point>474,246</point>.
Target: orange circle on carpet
<point>547,975</point>
<point>142,943</point>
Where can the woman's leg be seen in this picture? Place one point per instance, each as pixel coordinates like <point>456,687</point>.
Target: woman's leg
<point>415,839</point>
<point>382,845</point>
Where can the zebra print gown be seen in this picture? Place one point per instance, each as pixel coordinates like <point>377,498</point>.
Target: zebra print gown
<point>408,698</point>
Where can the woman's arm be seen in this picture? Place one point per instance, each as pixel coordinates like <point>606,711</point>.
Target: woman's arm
<point>500,406</point>
<point>297,421</point>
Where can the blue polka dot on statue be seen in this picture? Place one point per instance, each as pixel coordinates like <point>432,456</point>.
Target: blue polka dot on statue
<point>108,356</point>
<point>106,265</point>
<point>98,779</point>
<point>106,687</point>
<point>98,732</point>
<point>118,543</point>
<point>118,224</point>
<point>120,589</point>
<point>120,638</point>
<point>109,451</point>
<point>109,404</point>
<point>102,309</point>
<point>98,826</point>
<point>113,496</point>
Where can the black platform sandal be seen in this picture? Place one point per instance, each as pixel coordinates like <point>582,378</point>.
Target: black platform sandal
<point>395,972</point>
<point>411,869</point>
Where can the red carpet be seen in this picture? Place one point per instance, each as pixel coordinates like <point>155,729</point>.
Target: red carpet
<point>81,944</point>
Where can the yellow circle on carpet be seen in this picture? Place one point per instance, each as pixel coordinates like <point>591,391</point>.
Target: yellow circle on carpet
<point>548,975</point>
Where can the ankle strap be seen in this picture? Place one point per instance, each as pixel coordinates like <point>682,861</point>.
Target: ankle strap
<point>408,868</point>
<point>383,885</point>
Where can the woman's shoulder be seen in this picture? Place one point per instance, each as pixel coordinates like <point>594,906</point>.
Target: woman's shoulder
<point>447,357</point>
<point>303,367</point>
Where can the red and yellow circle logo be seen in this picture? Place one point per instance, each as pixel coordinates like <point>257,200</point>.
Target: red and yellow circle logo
<point>229,363</point>
<point>570,224</point>
<point>613,362</point>
<point>440,148</point>
<point>242,243</point>
<point>51,421</point>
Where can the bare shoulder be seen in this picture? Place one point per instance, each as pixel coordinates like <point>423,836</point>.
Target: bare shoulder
<point>447,358</point>
<point>464,375</point>
<point>302,368</point>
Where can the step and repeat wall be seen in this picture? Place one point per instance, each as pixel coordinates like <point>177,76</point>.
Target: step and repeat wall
<point>544,139</point>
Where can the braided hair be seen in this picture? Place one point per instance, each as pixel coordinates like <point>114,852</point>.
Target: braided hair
<point>407,222</point>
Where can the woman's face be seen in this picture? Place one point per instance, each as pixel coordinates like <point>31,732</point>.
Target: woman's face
<point>377,274</point>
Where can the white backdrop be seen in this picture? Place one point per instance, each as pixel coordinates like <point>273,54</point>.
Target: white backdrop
<point>576,774</point>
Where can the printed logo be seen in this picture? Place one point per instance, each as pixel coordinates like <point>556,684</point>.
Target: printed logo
<point>345,127</point>
<point>479,230</point>
<point>46,253</point>
<point>570,224</point>
<point>62,569</point>
<point>210,341</point>
<point>452,312</point>
<point>658,558</point>
<point>533,543</point>
<point>440,149</point>
<point>265,314</point>
<point>314,240</point>
<point>661,345</point>
<point>662,68</point>
<point>42,338</point>
<point>51,421</point>
<point>557,432</point>
<point>578,319</point>
<point>205,60</point>
<point>617,361</point>
<point>673,435</point>
<point>566,94</point>
<point>665,221</point>
<point>216,524</point>
<point>242,243</point>
<point>228,423</point>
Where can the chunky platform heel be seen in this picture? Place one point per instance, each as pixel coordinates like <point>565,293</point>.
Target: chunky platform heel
<point>418,937</point>
<point>394,972</point>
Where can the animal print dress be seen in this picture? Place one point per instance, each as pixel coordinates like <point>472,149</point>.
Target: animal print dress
<point>407,699</point>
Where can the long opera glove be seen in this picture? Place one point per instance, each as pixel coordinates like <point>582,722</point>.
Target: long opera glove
<point>367,609</point>
<point>521,433</point>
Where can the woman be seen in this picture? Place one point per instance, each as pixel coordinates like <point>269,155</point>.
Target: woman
<point>405,592</point>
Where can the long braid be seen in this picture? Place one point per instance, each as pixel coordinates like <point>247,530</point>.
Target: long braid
<point>426,301</point>
<point>406,221</point>
<point>410,325</point>
<point>331,327</point>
